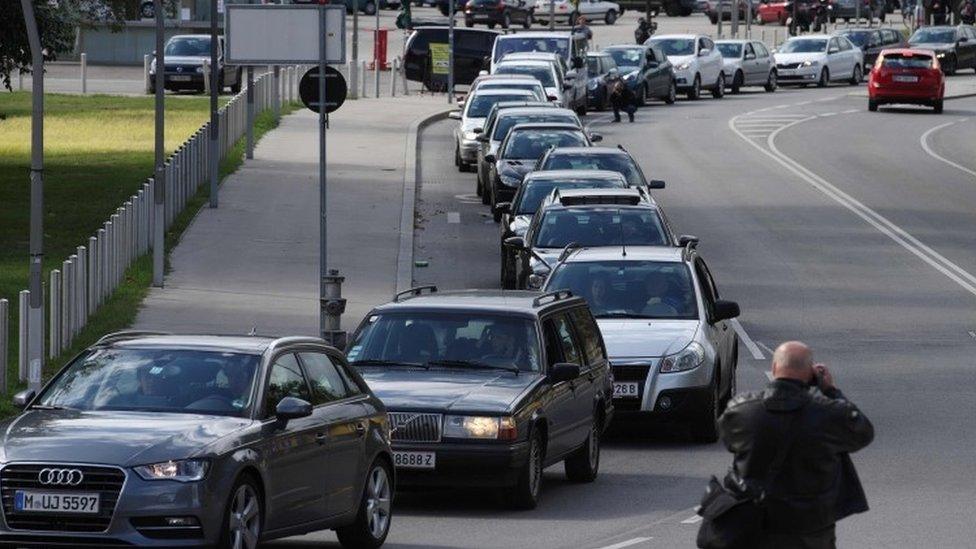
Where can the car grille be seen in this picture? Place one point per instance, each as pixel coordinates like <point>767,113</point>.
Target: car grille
<point>415,427</point>
<point>107,481</point>
<point>787,65</point>
<point>186,69</point>
<point>630,372</point>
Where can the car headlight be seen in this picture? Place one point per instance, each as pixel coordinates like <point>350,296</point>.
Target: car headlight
<point>184,470</point>
<point>683,66</point>
<point>686,359</point>
<point>811,63</point>
<point>509,180</point>
<point>470,136</point>
<point>940,54</point>
<point>478,427</point>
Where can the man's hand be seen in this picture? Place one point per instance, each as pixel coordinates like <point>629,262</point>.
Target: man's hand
<point>826,379</point>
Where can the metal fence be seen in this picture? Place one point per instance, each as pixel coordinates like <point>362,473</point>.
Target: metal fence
<point>89,276</point>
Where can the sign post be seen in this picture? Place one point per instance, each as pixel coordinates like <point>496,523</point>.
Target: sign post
<point>316,36</point>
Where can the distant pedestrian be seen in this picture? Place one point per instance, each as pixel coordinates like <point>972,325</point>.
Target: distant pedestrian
<point>967,12</point>
<point>791,478</point>
<point>643,31</point>
<point>621,96</point>
<point>582,27</point>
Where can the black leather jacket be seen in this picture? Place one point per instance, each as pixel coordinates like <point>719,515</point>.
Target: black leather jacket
<point>812,489</point>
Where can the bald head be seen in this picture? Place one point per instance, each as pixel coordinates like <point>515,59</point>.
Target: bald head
<point>793,360</point>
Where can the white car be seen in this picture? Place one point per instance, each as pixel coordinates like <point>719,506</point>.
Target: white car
<point>819,59</point>
<point>565,11</point>
<point>574,79</point>
<point>476,109</point>
<point>697,63</point>
<point>546,72</point>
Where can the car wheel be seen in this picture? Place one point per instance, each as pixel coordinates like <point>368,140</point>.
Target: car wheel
<point>695,92</point>
<point>468,23</point>
<point>581,110</point>
<point>713,19</point>
<point>507,277</point>
<point>824,78</point>
<point>737,81</point>
<point>506,20</point>
<point>949,67</point>
<point>705,429</point>
<point>771,82</point>
<point>529,21</point>
<point>672,94</point>
<point>938,107</point>
<point>872,105</point>
<point>718,91</point>
<point>372,522</point>
<point>856,76</point>
<point>642,96</point>
<point>242,519</point>
<point>610,18</point>
<point>457,156</point>
<point>491,25</point>
<point>525,494</point>
<point>583,465</point>
<point>496,214</point>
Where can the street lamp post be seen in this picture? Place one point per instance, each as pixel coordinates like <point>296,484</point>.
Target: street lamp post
<point>214,91</point>
<point>159,183</point>
<point>450,52</point>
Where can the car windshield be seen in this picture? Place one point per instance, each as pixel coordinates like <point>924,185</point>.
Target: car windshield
<point>933,36</point>
<point>188,46</point>
<point>506,123</point>
<point>542,73</point>
<point>531,143</point>
<point>620,163</point>
<point>597,226</point>
<point>517,44</point>
<point>899,61</point>
<point>859,38</point>
<point>676,46</point>
<point>528,86</point>
<point>803,46</point>
<point>630,289</point>
<point>480,105</point>
<point>535,191</point>
<point>439,339</point>
<point>627,57</point>
<point>158,380</point>
<point>733,51</point>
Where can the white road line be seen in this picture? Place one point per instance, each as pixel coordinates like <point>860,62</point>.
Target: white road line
<point>850,111</point>
<point>765,347</point>
<point>972,334</point>
<point>828,114</point>
<point>753,349</point>
<point>695,519</point>
<point>803,103</point>
<point>956,273</point>
<point>453,217</point>
<point>924,140</point>
<point>627,543</point>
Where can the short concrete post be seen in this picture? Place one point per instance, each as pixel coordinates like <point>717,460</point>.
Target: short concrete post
<point>206,76</point>
<point>4,346</point>
<point>394,72</point>
<point>362,78</point>
<point>145,73</point>
<point>54,329</point>
<point>22,323</point>
<point>84,73</point>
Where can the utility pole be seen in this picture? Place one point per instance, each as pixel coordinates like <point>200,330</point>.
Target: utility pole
<point>735,18</point>
<point>552,15</point>
<point>159,179</point>
<point>35,312</point>
<point>450,52</point>
<point>214,91</point>
<point>354,64</point>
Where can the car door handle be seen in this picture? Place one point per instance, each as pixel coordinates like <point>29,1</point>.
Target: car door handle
<point>360,429</point>
<point>321,438</point>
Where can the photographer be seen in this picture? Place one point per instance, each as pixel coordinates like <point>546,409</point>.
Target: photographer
<point>621,96</point>
<point>791,444</point>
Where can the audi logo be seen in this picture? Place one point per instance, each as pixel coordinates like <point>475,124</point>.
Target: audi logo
<point>60,477</point>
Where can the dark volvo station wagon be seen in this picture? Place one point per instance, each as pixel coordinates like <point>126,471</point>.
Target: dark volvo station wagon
<point>487,388</point>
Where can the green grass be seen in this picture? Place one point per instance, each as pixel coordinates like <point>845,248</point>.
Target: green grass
<point>98,151</point>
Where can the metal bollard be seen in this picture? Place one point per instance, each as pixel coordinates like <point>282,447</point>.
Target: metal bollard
<point>84,73</point>
<point>332,307</point>
<point>403,75</point>
<point>145,73</point>
<point>376,74</point>
<point>54,328</point>
<point>20,80</point>
<point>4,330</point>
<point>362,78</point>
<point>393,77</point>
<point>206,76</point>
<point>24,310</point>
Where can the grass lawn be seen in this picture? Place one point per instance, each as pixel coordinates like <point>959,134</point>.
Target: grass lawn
<point>98,151</point>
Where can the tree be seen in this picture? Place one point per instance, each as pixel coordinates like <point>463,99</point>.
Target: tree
<point>58,21</point>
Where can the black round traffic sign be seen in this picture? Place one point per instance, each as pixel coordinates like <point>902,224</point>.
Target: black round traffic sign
<point>335,89</point>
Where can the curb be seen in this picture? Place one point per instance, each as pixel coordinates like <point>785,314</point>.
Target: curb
<point>411,179</point>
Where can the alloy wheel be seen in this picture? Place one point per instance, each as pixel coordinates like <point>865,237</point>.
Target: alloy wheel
<point>594,453</point>
<point>245,518</point>
<point>378,502</point>
<point>535,467</point>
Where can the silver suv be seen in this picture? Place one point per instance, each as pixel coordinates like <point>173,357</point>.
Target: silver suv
<point>672,349</point>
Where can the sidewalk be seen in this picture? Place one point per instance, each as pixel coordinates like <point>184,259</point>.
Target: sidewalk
<point>253,262</point>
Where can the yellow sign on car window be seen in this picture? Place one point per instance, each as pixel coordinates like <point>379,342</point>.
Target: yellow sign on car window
<point>440,58</point>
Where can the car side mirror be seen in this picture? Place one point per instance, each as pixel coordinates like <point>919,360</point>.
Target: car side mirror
<point>292,408</point>
<point>686,239</point>
<point>23,398</point>
<point>596,137</point>
<point>833,50</point>
<point>963,39</point>
<point>490,158</point>
<point>750,56</point>
<point>655,184</point>
<point>552,98</point>
<point>516,242</point>
<point>653,64</point>
<point>481,138</point>
<point>477,130</point>
<point>568,85</point>
<point>564,371</point>
<point>704,52</point>
<point>503,207</point>
<point>454,115</point>
<point>724,310</point>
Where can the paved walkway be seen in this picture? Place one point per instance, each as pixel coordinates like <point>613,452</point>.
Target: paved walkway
<point>253,262</point>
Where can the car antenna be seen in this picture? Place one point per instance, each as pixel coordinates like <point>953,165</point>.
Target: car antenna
<point>253,331</point>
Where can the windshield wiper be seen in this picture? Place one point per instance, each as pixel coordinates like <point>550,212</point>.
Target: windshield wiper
<point>621,314</point>
<point>472,364</point>
<point>46,407</point>
<point>379,362</point>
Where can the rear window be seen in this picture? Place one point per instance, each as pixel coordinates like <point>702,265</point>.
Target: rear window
<point>600,227</point>
<point>899,61</point>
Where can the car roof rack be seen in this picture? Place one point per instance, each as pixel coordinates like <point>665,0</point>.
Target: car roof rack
<point>128,334</point>
<point>551,297</point>
<point>414,292</point>
<point>597,198</point>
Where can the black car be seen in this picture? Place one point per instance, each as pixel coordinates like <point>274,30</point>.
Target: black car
<point>599,64</point>
<point>471,48</point>
<point>498,12</point>
<point>954,46</point>
<point>872,40</point>
<point>518,153</point>
<point>646,71</point>
<point>598,158</point>
<point>157,440</point>
<point>486,388</point>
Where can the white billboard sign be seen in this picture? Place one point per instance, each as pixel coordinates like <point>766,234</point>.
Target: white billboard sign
<point>282,34</point>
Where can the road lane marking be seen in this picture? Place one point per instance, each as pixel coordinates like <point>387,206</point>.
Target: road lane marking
<point>765,347</point>
<point>751,345</point>
<point>826,114</point>
<point>627,543</point>
<point>972,334</point>
<point>924,140</point>
<point>453,217</point>
<point>694,519</point>
<point>954,272</point>
<point>850,111</point>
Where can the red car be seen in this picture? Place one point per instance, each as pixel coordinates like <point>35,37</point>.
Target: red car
<point>772,12</point>
<point>906,75</point>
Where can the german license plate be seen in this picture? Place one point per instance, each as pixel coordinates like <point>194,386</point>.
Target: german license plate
<point>55,502</point>
<point>786,72</point>
<point>625,389</point>
<point>415,460</point>
<point>180,78</point>
<point>904,78</point>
